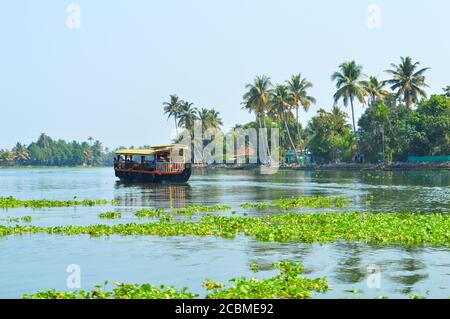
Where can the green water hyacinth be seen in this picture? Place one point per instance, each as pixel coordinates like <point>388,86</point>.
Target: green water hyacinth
<point>188,211</point>
<point>122,291</point>
<point>110,215</point>
<point>198,209</point>
<point>25,219</point>
<point>309,201</point>
<point>11,202</point>
<point>151,213</point>
<point>287,284</point>
<point>381,229</point>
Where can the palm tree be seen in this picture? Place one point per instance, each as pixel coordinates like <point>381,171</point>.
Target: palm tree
<point>214,119</point>
<point>298,87</point>
<point>20,153</point>
<point>6,157</point>
<point>349,86</point>
<point>203,115</point>
<point>282,108</point>
<point>257,98</point>
<point>375,89</point>
<point>172,108</point>
<point>187,115</point>
<point>210,118</point>
<point>446,91</point>
<point>407,81</point>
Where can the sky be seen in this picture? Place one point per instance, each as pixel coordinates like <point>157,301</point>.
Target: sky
<point>106,71</point>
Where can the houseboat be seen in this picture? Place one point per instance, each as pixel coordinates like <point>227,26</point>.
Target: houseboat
<point>157,164</point>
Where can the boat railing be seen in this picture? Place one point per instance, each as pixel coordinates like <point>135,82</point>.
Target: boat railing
<point>170,167</point>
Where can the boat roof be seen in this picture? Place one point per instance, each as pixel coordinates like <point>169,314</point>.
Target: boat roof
<point>150,151</point>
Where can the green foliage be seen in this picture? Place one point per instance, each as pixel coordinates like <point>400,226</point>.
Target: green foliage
<point>424,131</point>
<point>307,201</point>
<point>199,208</point>
<point>286,285</point>
<point>11,202</point>
<point>329,136</point>
<point>381,229</point>
<point>25,219</point>
<point>150,213</point>
<point>122,291</point>
<point>110,215</point>
<point>408,82</point>
<point>380,129</point>
<point>48,152</point>
<point>187,211</point>
<point>428,128</point>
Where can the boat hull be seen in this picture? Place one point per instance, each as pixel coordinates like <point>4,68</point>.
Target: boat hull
<point>151,177</point>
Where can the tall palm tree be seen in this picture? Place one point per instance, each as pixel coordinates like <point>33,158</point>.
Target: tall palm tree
<point>172,109</point>
<point>187,115</point>
<point>298,87</point>
<point>446,91</point>
<point>408,81</point>
<point>214,119</point>
<point>376,89</point>
<point>282,108</point>
<point>203,115</point>
<point>210,118</point>
<point>349,86</point>
<point>257,98</point>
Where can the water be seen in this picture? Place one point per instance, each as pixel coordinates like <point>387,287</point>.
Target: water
<point>38,262</point>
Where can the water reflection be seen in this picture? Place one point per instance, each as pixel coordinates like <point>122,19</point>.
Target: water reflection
<point>152,195</point>
<point>350,263</point>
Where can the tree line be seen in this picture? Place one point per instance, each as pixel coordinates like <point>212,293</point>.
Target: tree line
<point>49,152</point>
<point>399,119</point>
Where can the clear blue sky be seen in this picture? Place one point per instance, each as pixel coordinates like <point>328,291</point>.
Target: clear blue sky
<point>109,78</point>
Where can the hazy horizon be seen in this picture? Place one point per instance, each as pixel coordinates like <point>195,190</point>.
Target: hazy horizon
<point>109,78</point>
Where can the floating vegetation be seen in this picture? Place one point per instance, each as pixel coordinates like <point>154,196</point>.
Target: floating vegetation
<point>122,291</point>
<point>200,209</point>
<point>382,229</point>
<point>11,202</point>
<point>110,215</point>
<point>287,284</point>
<point>310,201</point>
<point>258,205</point>
<point>151,213</point>
<point>188,211</point>
<point>25,219</point>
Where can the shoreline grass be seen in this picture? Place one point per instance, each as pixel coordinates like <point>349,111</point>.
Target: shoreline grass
<point>381,229</point>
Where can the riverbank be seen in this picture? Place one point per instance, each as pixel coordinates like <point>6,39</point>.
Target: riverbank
<point>321,167</point>
<point>43,167</point>
<point>336,167</point>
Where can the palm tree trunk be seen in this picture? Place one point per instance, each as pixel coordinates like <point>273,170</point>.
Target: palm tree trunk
<point>290,139</point>
<point>176,126</point>
<point>298,125</point>
<point>266,142</point>
<point>354,125</point>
